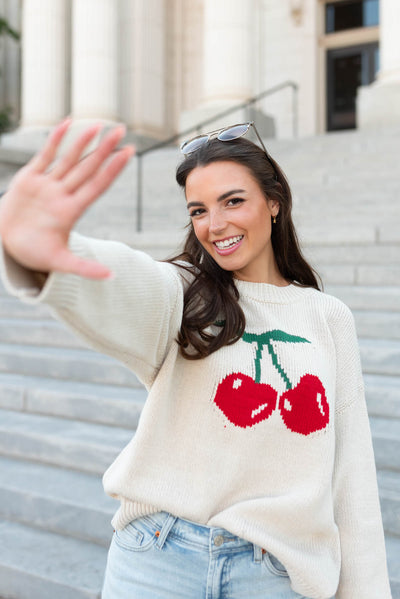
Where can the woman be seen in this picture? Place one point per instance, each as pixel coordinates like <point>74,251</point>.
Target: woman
<point>252,472</point>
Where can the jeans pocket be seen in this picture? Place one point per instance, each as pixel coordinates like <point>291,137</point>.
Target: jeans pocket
<point>138,535</point>
<point>274,565</point>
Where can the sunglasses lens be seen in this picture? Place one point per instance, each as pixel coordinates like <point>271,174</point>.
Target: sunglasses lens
<point>233,132</point>
<point>194,144</point>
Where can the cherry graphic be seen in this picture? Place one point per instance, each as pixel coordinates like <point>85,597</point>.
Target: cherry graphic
<point>243,401</point>
<point>304,408</point>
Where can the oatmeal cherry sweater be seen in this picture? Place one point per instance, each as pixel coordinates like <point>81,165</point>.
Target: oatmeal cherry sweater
<point>268,438</point>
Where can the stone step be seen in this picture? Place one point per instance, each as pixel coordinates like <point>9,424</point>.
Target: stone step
<point>382,395</point>
<point>90,402</point>
<point>389,494</point>
<point>57,500</point>
<point>10,307</point>
<point>351,274</point>
<point>346,234</point>
<point>47,332</point>
<point>68,364</point>
<point>367,297</point>
<point>386,440</point>
<point>380,356</point>
<point>36,564</point>
<point>71,444</point>
<point>393,559</point>
<point>377,324</point>
<point>369,254</point>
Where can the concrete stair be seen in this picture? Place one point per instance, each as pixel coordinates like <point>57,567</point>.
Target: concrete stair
<point>66,411</point>
<point>36,563</point>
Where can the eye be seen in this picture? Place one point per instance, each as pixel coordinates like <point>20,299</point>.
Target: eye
<point>196,212</point>
<point>235,201</point>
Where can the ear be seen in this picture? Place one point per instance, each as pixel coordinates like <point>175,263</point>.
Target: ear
<point>273,206</point>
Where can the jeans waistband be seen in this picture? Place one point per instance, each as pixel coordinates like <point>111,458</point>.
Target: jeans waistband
<point>205,538</point>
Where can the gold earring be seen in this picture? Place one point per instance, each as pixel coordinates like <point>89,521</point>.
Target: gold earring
<point>274,221</point>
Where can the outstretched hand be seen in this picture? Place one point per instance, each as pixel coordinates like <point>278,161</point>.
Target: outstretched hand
<point>41,206</point>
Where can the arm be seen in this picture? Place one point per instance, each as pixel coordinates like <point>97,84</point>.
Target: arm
<point>355,490</point>
<point>134,317</point>
<point>131,317</point>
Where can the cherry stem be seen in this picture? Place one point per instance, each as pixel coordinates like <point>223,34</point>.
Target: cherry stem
<point>278,366</point>
<point>266,339</point>
<point>258,357</point>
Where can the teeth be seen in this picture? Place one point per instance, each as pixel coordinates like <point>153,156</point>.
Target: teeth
<point>228,242</point>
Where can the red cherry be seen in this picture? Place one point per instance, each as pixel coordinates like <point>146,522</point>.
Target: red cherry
<point>304,408</point>
<point>243,401</point>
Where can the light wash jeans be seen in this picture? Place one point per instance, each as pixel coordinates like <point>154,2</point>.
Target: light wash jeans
<point>164,557</point>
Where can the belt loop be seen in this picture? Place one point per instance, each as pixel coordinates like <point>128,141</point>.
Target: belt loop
<point>165,529</point>
<point>257,554</point>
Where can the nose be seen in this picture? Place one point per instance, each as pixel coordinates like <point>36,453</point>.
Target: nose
<point>216,222</point>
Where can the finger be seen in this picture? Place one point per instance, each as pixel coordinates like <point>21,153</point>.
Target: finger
<point>41,161</point>
<point>101,181</point>
<point>86,168</point>
<point>73,155</point>
<point>69,263</point>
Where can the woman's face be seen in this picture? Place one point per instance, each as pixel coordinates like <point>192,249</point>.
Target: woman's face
<point>232,219</point>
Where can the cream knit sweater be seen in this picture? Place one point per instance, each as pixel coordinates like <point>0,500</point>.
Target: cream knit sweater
<point>268,438</point>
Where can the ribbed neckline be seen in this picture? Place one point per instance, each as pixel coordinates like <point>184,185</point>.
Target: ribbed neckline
<point>267,293</point>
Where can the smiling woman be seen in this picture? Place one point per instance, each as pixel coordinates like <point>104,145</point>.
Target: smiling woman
<point>251,474</point>
<point>240,203</point>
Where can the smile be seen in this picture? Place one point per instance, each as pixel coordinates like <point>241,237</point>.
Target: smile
<point>226,243</point>
<point>229,245</point>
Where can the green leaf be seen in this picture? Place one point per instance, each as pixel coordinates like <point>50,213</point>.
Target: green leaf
<point>275,335</point>
<point>5,29</point>
<point>278,335</point>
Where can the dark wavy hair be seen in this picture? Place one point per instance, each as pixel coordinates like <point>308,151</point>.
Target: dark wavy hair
<point>212,316</point>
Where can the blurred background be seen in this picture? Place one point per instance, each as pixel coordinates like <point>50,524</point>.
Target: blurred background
<point>321,80</point>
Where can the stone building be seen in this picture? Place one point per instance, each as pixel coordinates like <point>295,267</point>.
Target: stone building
<point>163,65</point>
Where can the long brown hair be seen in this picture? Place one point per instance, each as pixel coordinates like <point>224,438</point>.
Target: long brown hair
<point>212,316</point>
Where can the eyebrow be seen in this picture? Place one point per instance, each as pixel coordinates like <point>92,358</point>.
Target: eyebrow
<point>219,199</point>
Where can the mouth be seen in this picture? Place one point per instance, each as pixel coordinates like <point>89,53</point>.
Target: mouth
<point>228,245</point>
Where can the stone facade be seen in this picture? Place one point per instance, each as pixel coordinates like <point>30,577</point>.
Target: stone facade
<point>161,66</point>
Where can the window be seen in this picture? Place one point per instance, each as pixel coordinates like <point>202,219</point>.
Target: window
<point>351,14</point>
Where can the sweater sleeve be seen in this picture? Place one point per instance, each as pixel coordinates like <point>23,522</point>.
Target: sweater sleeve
<point>135,317</point>
<point>355,489</point>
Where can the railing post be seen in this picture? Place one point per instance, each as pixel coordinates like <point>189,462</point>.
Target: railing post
<point>295,111</point>
<point>139,193</point>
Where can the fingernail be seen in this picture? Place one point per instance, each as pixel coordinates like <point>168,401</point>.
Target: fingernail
<point>122,128</point>
<point>110,276</point>
<point>95,128</point>
<point>131,149</point>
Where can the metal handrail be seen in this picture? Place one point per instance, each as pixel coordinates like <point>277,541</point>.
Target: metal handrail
<point>198,128</point>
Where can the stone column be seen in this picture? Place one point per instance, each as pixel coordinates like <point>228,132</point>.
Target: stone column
<point>228,35</point>
<point>94,59</point>
<point>44,62</point>
<point>379,103</point>
<point>228,67</point>
<point>143,68</point>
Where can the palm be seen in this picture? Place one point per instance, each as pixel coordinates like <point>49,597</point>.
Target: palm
<point>41,207</point>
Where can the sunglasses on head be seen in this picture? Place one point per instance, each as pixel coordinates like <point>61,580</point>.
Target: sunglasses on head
<point>223,134</point>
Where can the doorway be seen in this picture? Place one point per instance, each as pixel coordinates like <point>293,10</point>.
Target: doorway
<point>347,69</point>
